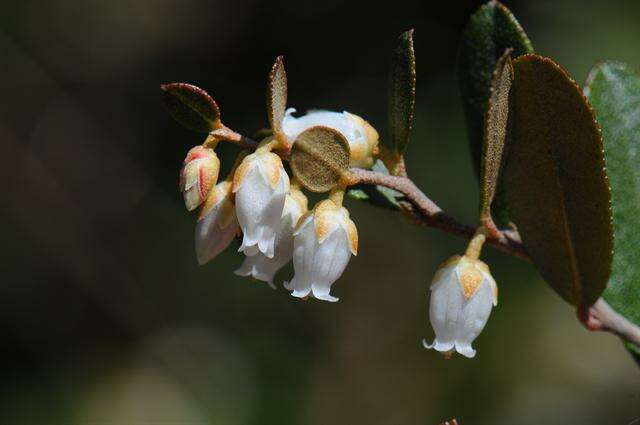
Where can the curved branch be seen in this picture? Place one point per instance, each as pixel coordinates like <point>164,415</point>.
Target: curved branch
<point>428,213</point>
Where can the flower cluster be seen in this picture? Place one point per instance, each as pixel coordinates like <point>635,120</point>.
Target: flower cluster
<point>258,200</point>
<point>262,201</point>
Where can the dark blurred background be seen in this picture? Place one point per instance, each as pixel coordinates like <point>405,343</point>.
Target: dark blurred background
<point>106,318</point>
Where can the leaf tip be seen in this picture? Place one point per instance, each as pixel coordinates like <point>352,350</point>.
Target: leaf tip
<point>278,65</point>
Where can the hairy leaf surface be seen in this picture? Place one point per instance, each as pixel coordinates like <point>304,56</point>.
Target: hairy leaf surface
<point>402,95</point>
<point>495,134</point>
<point>557,188</point>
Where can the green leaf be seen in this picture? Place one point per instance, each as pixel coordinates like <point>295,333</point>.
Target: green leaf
<point>320,158</point>
<point>491,30</point>
<point>191,106</point>
<point>614,92</point>
<point>402,94</point>
<point>277,95</point>
<point>495,133</point>
<point>556,185</point>
<point>379,196</point>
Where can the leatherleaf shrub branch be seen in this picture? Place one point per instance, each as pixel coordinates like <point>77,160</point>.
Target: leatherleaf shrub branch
<point>538,143</point>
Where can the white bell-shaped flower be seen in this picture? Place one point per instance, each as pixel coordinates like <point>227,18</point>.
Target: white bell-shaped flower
<point>322,246</point>
<point>198,175</point>
<point>217,224</point>
<point>463,292</point>
<point>362,137</point>
<point>259,265</point>
<point>260,184</point>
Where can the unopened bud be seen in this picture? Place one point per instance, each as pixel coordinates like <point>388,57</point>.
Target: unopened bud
<point>198,175</point>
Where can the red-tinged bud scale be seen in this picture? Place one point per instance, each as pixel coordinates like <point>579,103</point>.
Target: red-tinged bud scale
<point>198,175</point>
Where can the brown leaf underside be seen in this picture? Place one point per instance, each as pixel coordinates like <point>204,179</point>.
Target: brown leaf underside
<point>496,125</point>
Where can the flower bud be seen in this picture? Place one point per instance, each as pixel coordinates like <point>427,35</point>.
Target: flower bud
<point>217,224</point>
<point>260,184</point>
<point>362,137</point>
<point>322,246</point>
<point>260,266</point>
<point>463,293</point>
<point>198,175</point>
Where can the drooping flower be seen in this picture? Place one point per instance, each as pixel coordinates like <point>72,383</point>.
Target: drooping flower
<point>463,292</point>
<point>217,224</point>
<point>260,184</point>
<point>259,265</point>
<point>322,246</point>
<point>198,175</point>
<point>362,137</point>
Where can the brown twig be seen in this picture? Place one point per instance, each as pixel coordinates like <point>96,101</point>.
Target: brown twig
<point>428,213</point>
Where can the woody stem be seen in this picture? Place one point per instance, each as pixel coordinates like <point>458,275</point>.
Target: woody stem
<point>428,213</point>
